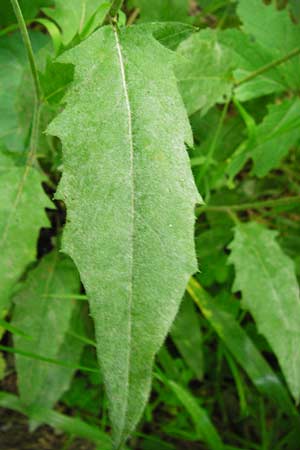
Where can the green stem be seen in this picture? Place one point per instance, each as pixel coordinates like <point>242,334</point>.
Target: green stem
<point>27,43</point>
<point>268,67</point>
<point>37,87</point>
<point>212,147</point>
<point>284,201</point>
<point>113,10</point>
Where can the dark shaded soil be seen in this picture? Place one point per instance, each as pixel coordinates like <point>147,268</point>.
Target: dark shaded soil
<point>15,435</point>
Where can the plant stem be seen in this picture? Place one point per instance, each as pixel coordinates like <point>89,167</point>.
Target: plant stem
<point>113,10</point>
<point>269,66</point>
<point>37,88</point>
<point>284,201</point>
<point>212,147</point>
<point>27,43</point>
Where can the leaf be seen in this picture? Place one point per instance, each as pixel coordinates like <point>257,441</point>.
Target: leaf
<point>275,31</point>
<point>71,18</point>
<point>279,131</point>
<point>33,309</point>
<point>267,279</point>
<point>243,349</point>
<point>13,63</point>
<point>203,71</point>
<point>187,336</point>
<point>29,10</point>
<point>164,11</point>
<point>205,429</point>
<point>130,215</point>
<point>22,214</point>
<point>248,56</point>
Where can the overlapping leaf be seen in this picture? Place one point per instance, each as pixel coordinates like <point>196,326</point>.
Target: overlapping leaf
<point>266,277</point>
<point>71,18</point>
<point>163,11</point>
<point>130,212</point>
<point>203,71</point>
<point>46,319</point>
<point>22,214</point>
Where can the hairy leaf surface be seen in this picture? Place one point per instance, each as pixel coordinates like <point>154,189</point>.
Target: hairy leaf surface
<point>266,277</point>
<point>22,214</point>
<point>130,200</point>
<point>46,319</point>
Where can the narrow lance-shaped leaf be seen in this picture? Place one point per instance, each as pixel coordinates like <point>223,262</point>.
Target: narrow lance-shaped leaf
<point>130,200</point>
<point>46,320</point>
<point>266,277</point>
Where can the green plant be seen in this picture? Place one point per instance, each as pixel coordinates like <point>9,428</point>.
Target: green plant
<point>114,118</point>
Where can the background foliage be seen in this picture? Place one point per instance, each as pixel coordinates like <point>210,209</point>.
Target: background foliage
<point>227,375</point>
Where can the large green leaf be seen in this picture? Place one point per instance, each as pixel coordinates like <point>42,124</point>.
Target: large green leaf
<point>130,213</point>
<point>266,277</point>
<point>46,319</point>
<point>203,71</point>
<point>22,214</point>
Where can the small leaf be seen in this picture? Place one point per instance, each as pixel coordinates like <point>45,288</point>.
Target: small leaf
<point>34,309</point>
<point>275,136</point>
<point>203,71</point>
<point>266,277</point>
<point>187,336</point>
<point>22,214</point>
<point>130,214</point>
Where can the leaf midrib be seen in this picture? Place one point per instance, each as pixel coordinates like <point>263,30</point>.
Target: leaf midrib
<point>131,175</point>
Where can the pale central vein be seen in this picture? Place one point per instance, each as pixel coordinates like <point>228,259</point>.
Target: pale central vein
<point>131,175</point>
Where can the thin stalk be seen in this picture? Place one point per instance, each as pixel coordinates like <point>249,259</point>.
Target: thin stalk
<point>28,47</point>
<point>17,351</point>
<point>269,66</point>
<point>113,10</point>
<point>212,147</point>
<point>284,201</point>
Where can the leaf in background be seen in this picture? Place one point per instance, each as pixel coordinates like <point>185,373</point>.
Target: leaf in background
<point>130,222</point>
<point>247,57</point>
<point>29,10</point>
<point>187,336</point>
<point>170,34</point>
<point>46,319</point>
<point>22,214</point>
<point>275,31</point>
<point>163,11</point>
<point>266,277</point>
<point>242,348</point>
<point>279,131</point>
<point>203,71</point>
<point>205,429</point>
<point>72,18</point>
<point>13,62</point>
